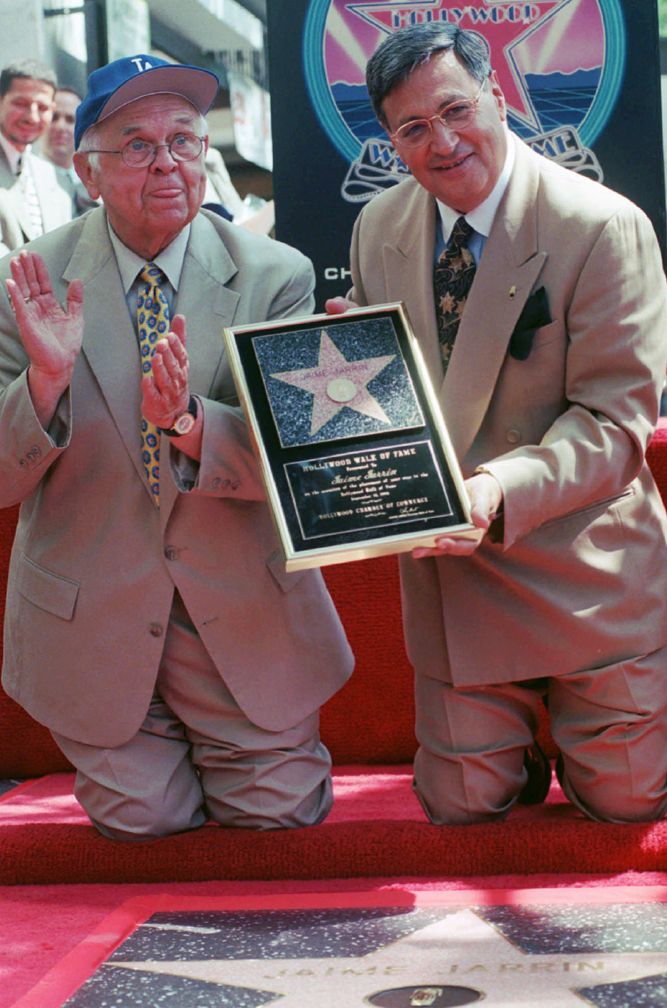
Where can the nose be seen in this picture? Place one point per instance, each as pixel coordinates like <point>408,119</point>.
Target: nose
<point>163,161</point>
<point>442,137</point>
<point>33,112</point>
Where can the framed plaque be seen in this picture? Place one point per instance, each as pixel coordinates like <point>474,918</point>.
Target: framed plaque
<point>350,438</point>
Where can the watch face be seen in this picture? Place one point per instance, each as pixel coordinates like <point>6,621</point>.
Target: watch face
<point>184,424</point>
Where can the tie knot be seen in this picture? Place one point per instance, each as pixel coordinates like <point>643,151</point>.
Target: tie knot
<point>461,233</point>
<point>152,275</point>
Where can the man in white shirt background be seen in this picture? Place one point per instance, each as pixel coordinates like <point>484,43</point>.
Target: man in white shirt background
<point>57,146</point>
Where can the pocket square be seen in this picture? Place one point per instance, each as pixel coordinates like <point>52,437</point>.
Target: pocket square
<point>534,315</point>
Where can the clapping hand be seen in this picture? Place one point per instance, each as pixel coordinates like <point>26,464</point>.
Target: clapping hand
<point>165,388</point>
<point>51,334</point>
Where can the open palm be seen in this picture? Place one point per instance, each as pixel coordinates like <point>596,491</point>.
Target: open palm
<point>51,334</point>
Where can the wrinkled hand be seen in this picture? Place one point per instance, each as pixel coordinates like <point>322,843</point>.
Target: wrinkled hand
<point>51,334</point>
<point>165,388</point>
<point>486,497</point>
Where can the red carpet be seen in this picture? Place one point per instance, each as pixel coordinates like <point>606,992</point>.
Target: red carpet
<point>376,828</point>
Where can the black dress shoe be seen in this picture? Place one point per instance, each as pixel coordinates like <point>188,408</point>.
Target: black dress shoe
<point>537,786</point>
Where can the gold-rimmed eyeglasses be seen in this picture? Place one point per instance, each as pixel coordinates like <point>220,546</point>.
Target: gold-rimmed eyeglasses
<point>456,116</point>
<point>140,153</point>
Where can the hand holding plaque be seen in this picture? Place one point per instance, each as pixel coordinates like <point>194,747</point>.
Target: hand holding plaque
<point>352,444</point>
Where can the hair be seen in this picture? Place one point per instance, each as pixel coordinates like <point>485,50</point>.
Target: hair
<point>89,141</point>
<point>28,69</point>
<point>406,49</point>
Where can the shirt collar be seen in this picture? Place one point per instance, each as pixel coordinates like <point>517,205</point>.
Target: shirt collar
<point>170,260</point>
<point>11,153</point>
<point>481,218</point>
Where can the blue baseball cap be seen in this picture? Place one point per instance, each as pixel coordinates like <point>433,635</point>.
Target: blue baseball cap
<point>117,84</point>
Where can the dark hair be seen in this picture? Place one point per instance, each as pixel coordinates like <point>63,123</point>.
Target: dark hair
<point>27,69</point>
<point>406,49</point>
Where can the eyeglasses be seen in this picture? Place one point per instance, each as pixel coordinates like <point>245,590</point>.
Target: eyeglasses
<point>456,117</point>
<point>140,153</point>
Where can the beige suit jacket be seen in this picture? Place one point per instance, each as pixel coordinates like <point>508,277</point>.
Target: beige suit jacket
<point>54,203</point>
<point>95,563</point>
<point>578,576</point>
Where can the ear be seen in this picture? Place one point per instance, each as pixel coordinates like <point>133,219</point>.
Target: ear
<point>497,93</point>
<point>87,173</point>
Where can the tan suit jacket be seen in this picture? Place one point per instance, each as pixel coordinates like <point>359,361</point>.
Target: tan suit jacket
<point>578,576</point>
<point>54,202</point>
<point>95,563</point>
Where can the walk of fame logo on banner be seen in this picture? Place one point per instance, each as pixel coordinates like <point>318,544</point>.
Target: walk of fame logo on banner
<point>560,64</point>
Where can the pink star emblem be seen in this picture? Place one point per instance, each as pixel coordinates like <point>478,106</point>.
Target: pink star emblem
<point>522,37</point>
<point>337,382</point>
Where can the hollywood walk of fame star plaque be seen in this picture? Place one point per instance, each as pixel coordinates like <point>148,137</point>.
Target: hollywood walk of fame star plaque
<point>350,437</point>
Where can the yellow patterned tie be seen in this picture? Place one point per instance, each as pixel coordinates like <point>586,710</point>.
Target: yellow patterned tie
<point>452,280</point>
<point>152,324</point>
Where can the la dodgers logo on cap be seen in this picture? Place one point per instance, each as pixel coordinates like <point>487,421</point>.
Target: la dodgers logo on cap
<point>124,80</point>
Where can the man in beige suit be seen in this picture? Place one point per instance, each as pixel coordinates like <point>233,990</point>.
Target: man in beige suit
<point>150,623</point>
<point>550,394</point>
<point>32,202</point>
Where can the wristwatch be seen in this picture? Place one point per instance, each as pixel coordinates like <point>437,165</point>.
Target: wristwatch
<point>183,423</point>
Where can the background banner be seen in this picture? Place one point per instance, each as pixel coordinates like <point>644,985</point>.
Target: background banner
<point>581,79</point>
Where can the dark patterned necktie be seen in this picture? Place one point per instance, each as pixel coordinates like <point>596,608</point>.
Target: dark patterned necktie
<point>452,279</point>
<point>152,324</point>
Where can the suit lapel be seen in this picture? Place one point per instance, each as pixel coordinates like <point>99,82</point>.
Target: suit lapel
<point>408,269</point>
<point>109,342</point>
<point>7,176</point>
<point>20,210</point>
<point>207,304</point>
<point>509,268</point>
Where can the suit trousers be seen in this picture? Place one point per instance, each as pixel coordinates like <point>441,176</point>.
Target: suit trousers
<point>609,723</point>
<point>197,756</point>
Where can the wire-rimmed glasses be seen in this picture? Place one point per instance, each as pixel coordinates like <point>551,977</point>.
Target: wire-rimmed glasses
<point>456,116</point>
<point>140,153</point>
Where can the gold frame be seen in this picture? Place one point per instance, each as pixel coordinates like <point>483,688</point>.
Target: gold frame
<point>293,459</point>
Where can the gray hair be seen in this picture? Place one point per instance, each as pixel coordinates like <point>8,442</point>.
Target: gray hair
<point>406,49</point>
<point>89,141</point>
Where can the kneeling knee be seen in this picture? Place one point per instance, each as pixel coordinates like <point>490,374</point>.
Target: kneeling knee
<point>442,810</point>
<point>613,806</point>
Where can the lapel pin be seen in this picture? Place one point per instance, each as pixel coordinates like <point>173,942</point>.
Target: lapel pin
<point>512,291</point>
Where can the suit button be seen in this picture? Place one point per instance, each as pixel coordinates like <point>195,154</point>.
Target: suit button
<point>155,629</point>
<point>513,435</point>
<point>215,483</point>
<point>171,553</point>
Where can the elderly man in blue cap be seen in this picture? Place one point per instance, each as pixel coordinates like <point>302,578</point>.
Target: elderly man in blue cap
<point>150,623</point>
